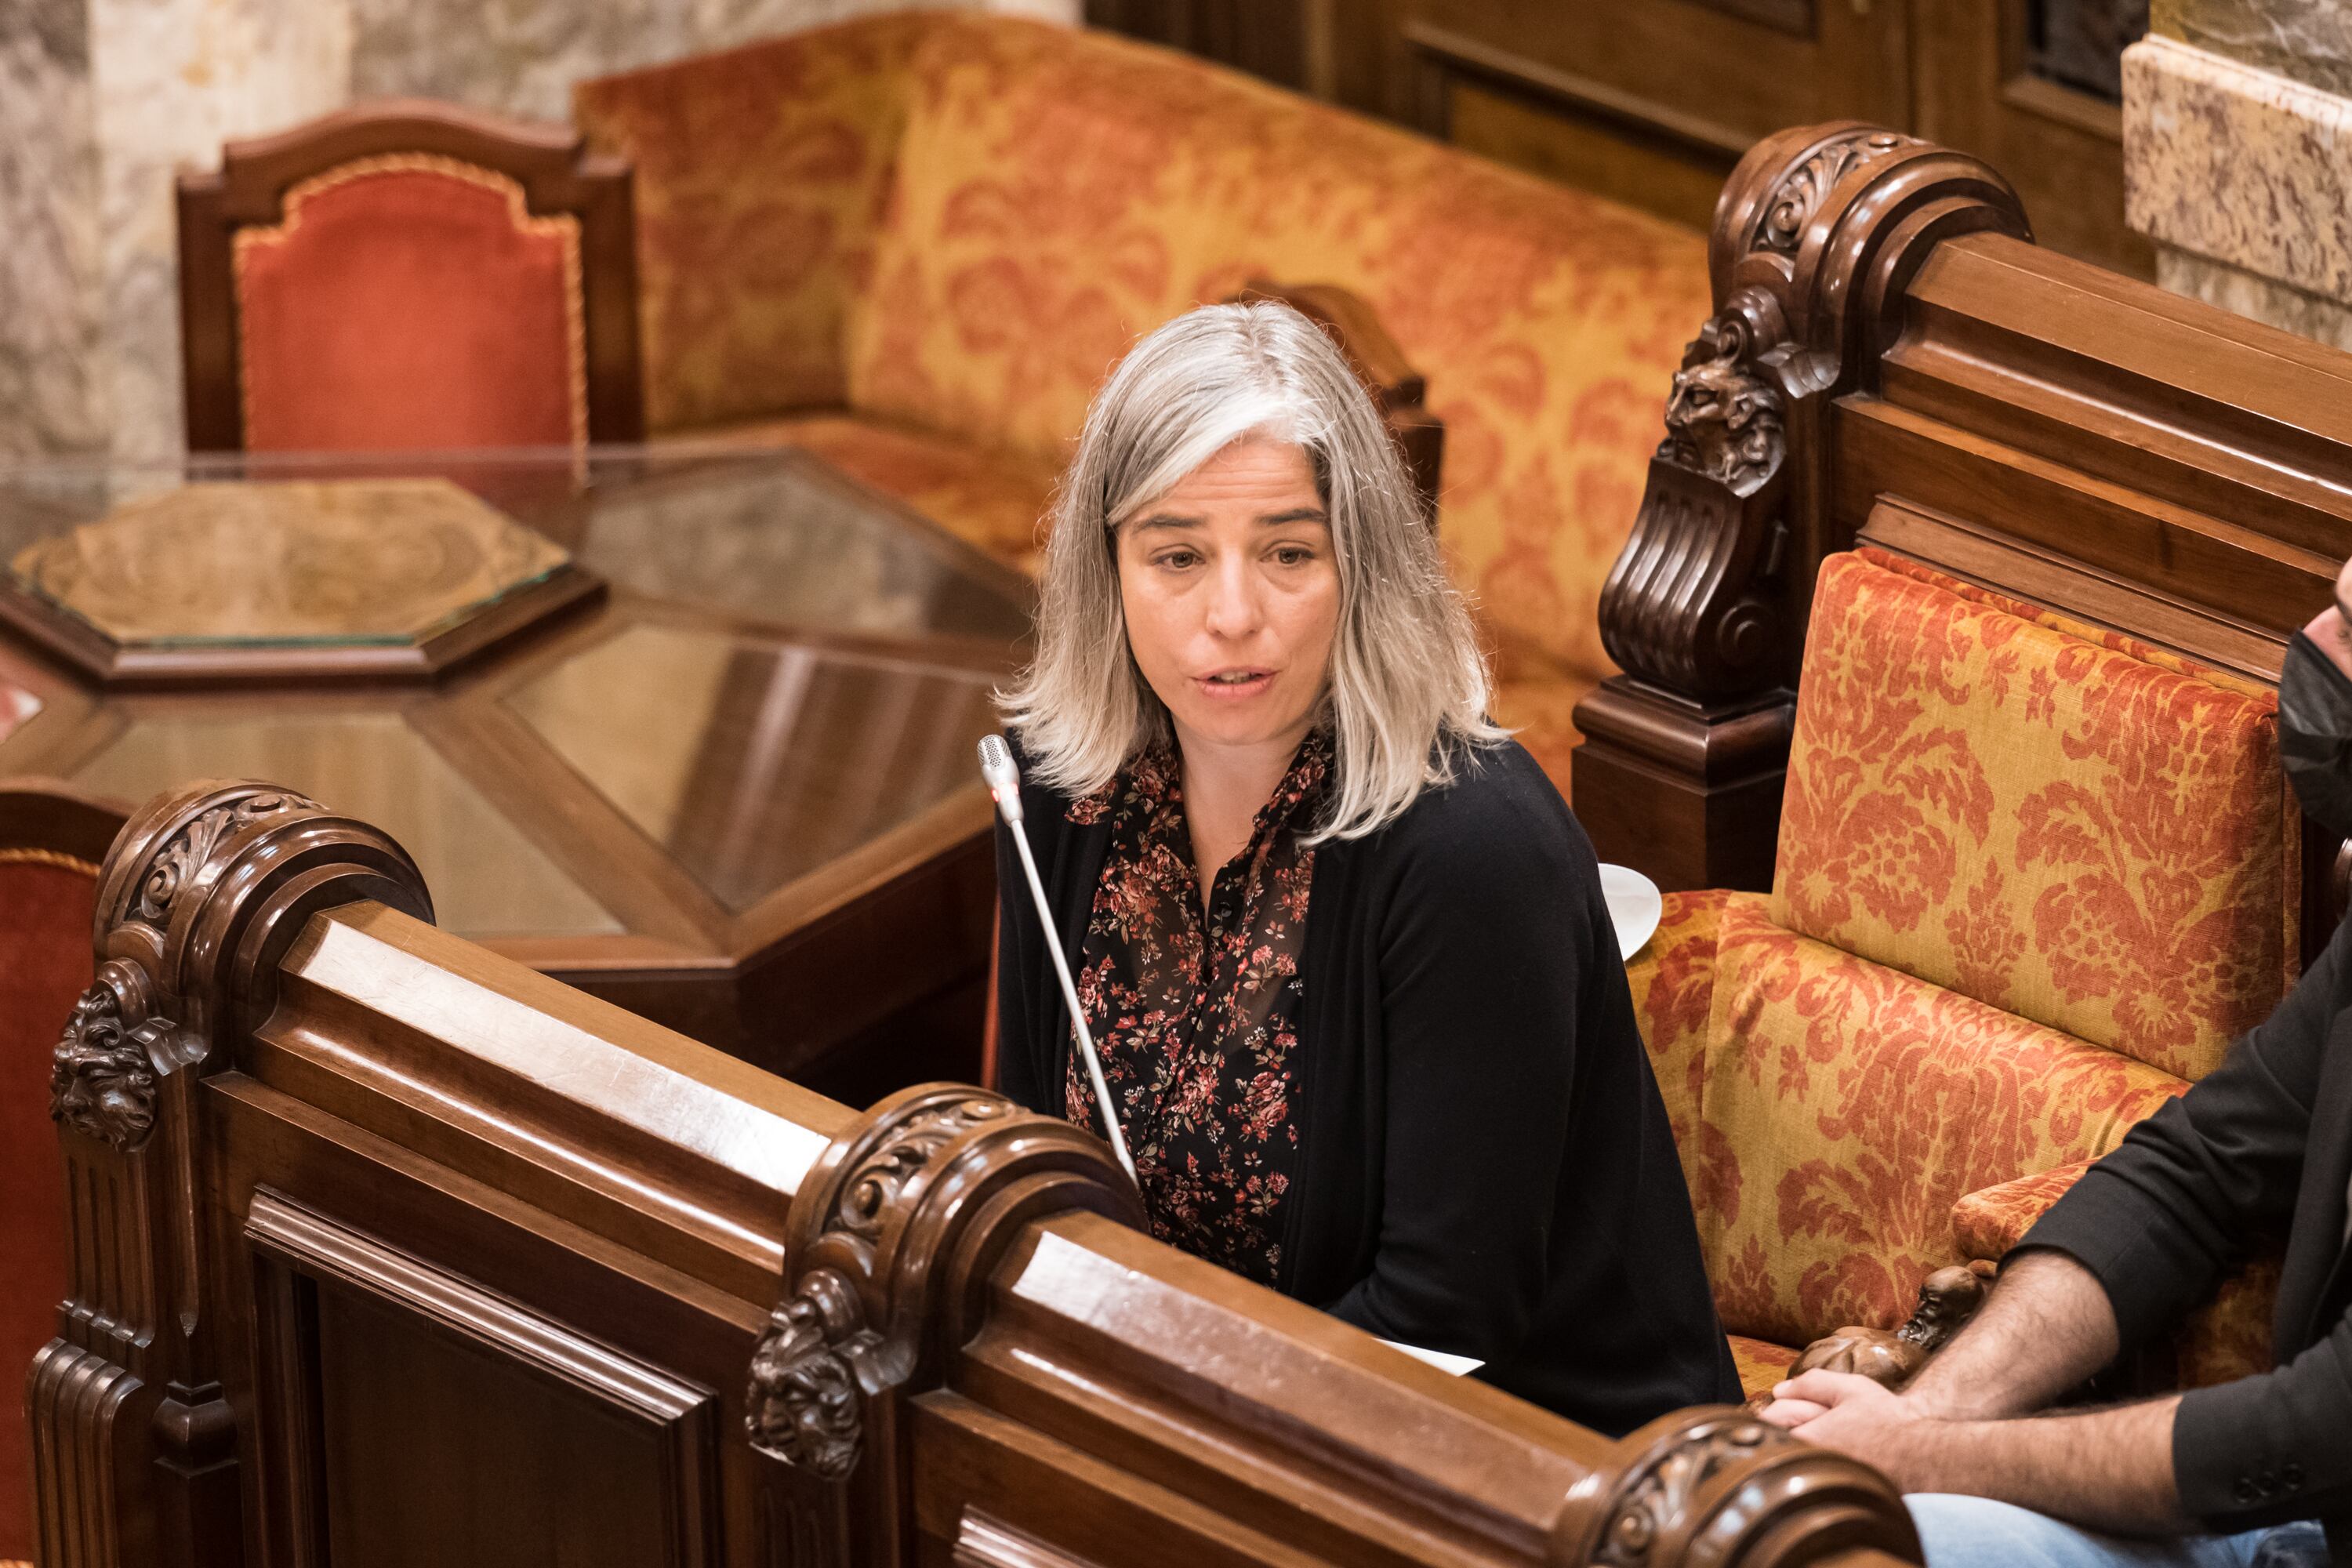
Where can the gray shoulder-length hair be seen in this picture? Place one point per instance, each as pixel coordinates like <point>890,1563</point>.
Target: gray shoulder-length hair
<point>1407,684</point>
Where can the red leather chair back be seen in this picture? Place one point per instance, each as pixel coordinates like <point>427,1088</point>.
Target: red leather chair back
<point>50,846</point>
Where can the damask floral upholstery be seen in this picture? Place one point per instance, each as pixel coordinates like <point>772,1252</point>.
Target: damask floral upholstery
<point>2114,864</point>
<point>957,223</point>
<point>2031,879</point>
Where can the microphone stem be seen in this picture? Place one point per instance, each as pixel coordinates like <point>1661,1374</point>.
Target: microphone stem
<point>1078,1012</point>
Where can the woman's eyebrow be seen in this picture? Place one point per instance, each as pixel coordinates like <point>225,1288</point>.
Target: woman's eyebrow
<point>1162,519</point>
<point>1297,514</point>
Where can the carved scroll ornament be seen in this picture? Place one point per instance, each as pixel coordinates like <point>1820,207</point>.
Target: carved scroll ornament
<point>873,1280</point>
<point>805,1407</point>
<point>175,865</point>
<point>1804,190</point>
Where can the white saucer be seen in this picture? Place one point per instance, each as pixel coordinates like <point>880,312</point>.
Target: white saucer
<point>1634,905</point>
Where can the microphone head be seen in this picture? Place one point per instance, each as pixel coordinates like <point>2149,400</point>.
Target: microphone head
<point>1002,776</point>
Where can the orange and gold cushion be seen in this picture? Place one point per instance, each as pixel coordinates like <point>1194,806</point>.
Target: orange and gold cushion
<point>1760,1362</point>
<point>1847,1107</point>
<point>411,300</point>
<point>761,177</point>
<point>2088,834</point>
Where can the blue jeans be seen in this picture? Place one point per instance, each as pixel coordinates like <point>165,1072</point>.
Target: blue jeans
<point>1977,1532</point>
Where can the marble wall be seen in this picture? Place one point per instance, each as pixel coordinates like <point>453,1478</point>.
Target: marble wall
<point>2236,113</point>
<point>101,101</point>
<point>51,320</point>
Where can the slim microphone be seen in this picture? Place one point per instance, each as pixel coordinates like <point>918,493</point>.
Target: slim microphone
<point>1003,779</point>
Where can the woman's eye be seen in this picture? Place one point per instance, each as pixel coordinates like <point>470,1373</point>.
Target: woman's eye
<point>1293,555</point>
<point>1178,559</point>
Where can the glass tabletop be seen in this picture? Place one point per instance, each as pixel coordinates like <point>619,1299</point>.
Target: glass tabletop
<point>753,761</point>
<point>360,549</point>
<point>784,667</point>
<point>486,878</point>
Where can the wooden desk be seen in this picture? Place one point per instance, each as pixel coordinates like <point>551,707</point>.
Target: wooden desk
<point>692,730</point>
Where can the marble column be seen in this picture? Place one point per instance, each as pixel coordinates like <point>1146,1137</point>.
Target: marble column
<point>50,311</point>
<point>2237,121</point>
<point>102,100</point>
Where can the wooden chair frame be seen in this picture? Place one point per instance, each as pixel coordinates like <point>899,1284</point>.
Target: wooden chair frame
<point>551,163</point>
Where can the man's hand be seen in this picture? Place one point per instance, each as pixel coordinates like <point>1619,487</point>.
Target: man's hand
<point>1856,1416</point>
<point>2110,1469</point>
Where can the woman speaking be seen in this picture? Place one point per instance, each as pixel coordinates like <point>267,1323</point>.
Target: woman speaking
<point>1341,947</point>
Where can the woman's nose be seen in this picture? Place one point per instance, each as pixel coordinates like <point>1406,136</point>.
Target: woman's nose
<point>1235,609</point>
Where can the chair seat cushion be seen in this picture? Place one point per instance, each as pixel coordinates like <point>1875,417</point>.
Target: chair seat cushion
<point>996,501</point>
<point>1844,1108</point>
<point>1761,1362</point>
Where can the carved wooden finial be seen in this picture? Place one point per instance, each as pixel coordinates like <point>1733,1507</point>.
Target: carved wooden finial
<point>202,890</point>
<point>1716,1486</point>
<point>892,1224</point>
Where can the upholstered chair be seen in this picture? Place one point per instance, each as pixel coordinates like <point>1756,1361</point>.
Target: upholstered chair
<point>2033,876</point>
<point>51,843</point>
<point>915,243</point>
<point>409,275</point>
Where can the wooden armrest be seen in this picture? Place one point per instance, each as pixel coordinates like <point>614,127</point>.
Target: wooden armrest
<point>1990,1221</point>
<point>1397,390</point>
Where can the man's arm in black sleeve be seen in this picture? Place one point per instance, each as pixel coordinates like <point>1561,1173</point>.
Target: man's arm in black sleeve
<point>2160,1219</point>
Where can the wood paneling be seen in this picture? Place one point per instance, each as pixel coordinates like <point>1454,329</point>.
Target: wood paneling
<point>2062,148</point>
<point>1650,102</point>
<point>1487,117</point>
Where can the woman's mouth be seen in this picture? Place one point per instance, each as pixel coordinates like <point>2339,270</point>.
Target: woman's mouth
<point>1227,685</point>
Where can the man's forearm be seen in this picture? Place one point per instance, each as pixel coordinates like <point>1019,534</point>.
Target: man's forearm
<point>2108,1470</point>
<point>2047,1326</point>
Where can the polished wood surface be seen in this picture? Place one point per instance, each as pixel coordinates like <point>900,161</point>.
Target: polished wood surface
<point>396,1250</point>
<point>551,163</point>
<point>1893,358</point>
<point>729,786</point>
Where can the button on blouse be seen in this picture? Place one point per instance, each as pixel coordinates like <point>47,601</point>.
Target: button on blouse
<point>1195,1015</point>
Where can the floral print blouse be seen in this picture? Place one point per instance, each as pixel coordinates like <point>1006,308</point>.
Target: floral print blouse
<point>1195,1013</point>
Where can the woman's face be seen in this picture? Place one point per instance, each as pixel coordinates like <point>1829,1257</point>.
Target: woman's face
<point>1233,596</point>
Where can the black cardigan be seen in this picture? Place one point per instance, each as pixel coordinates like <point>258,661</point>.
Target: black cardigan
<point>1484,1163</point>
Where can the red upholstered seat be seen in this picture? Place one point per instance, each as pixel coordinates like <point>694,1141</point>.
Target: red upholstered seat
<point>46,910</point>
<point>411,302</point>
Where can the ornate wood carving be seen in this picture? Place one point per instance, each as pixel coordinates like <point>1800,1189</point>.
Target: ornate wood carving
<point>201,893</point>
<point>102,1075</point>
<point>1948,1298</point>
<point>1805,188</point>
<point>901,1214</point>
<point>1715,1485</point>
<point>1818,231</point>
